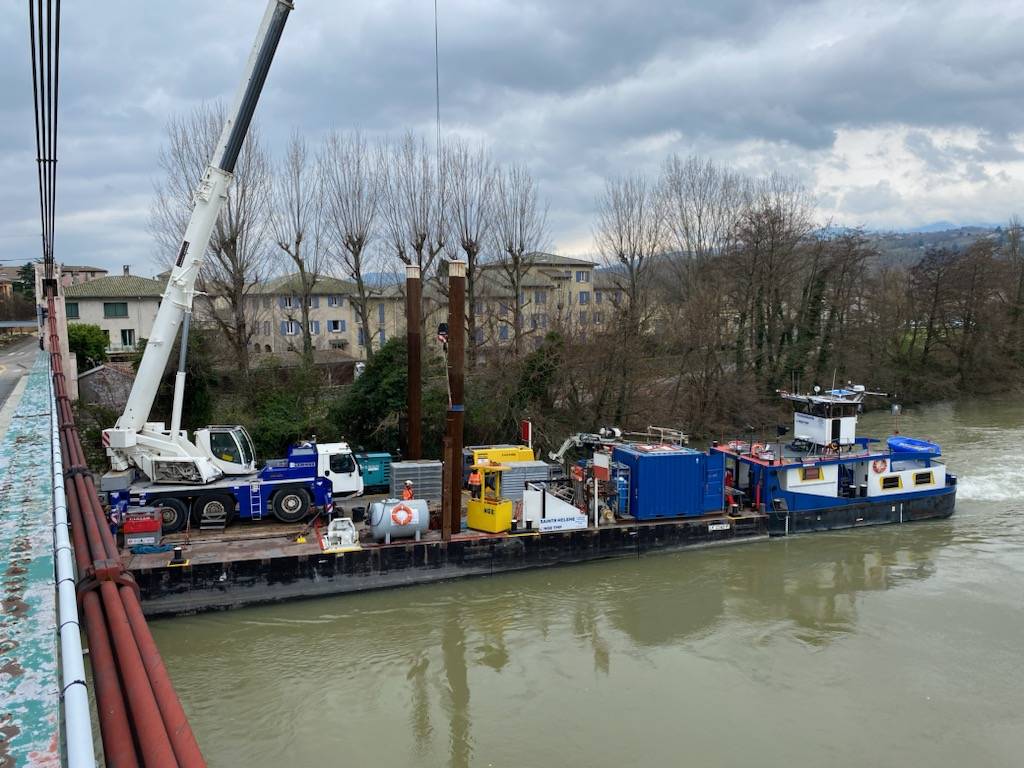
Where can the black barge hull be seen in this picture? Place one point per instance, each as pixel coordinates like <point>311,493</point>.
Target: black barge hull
<point>274,576</point>
<point>881,512</point>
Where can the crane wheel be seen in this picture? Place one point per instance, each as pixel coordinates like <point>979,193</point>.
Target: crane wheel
<point>173,514</point>
<point>291,504</point>
<point>213,508</point>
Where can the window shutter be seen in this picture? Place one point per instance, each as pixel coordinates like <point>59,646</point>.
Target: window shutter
<point>342,326</point>
<point>316,327</point>
<point>284,326</point>
<point>316,303</point>
<point>282,302</point>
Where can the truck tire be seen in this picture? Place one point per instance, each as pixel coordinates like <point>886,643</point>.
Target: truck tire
<point>217,505</point>
<point>291,504</point>
<point>173,513</point>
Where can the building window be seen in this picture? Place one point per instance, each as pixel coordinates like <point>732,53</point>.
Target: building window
<point>597,297</point>
<point>338,343</point>
<point>582,276</point>
<point>380,336</point>
<point>335,326</point>
<point>503,332</point>
<point>266,327</point>
<point>71,310</point>
<point>892,482</point>
<point>584,297</point>
<point>810,473</point>
<point>923,478</point>
<point>380,313</point>
<point>502,309</point>
<point>478,335</point>
<point>115,309</point>
<point>266,348</point>
<point>290,328</point>
<point>334,301</point>
<point>289,302</point>
<point>362,338</point>
<point>583,316</point>
<point>478,308</point>
<point>540,297</point>
<point>314,327</point>
<point>599,317</point>
<point>128,337</point>
<point>538,320</point>
<point>618,297</point>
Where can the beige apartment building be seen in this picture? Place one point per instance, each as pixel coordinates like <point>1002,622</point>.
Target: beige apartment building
<point>333,321</point>
<point>557,292</point>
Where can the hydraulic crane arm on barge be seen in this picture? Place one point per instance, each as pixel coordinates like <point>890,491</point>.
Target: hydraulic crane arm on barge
<point>167,455</point>
<point>213,477</point>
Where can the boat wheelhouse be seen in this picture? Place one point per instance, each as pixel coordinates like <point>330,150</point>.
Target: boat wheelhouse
<point>827,477</point>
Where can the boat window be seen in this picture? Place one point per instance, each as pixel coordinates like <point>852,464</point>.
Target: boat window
<point>810,473</point>
<point>923,478</point>
<point>343,463</point>
<point>893,481</point>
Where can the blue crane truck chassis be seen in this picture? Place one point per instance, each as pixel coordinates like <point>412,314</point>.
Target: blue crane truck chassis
<point>312,477</point>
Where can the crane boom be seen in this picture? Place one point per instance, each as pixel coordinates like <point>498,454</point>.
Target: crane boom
<point>135,440</point>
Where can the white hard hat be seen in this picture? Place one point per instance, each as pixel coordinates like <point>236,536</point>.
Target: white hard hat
<point>408,482</point>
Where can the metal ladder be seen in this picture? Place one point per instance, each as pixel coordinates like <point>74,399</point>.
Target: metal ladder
<point>255,503</point>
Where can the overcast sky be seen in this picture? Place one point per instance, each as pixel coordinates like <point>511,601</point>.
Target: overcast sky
<point>896,114</point>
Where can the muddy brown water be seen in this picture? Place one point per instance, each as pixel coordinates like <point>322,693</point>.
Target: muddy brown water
<point>893,646</point>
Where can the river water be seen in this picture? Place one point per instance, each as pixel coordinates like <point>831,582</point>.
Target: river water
<point>893,646</point>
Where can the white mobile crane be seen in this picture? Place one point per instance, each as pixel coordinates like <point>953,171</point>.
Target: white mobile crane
<point>217,472</point>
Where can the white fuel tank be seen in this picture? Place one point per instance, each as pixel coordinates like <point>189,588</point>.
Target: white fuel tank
<point>397,519</point>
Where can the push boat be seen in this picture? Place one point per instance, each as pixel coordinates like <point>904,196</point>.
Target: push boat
<point>828,478</point>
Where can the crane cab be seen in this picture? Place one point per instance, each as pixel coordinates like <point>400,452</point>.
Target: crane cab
<point>229,447</point>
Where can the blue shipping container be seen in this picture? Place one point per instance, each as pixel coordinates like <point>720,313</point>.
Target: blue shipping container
<point>672,482</point>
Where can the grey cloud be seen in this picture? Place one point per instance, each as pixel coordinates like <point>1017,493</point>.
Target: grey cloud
<point>575,90</point>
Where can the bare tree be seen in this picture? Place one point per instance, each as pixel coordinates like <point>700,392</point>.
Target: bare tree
<point>520,229</point>
<point>630,233</point>
<point>237,255</point>
<point>703,202</point>
<point>297,217</point>
<point>472,178</point>
<point>353,189</point>
<point>413,202</point>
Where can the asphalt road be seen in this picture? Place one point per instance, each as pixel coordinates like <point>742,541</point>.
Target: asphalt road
<point>15,362</point>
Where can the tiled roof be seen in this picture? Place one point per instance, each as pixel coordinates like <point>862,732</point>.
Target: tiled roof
<point>116,286</point>
<point>79,268</point>
<point>292,284</point>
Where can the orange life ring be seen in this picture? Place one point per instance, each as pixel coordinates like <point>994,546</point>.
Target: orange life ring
<point>401,514</point>
<point>878,466</point>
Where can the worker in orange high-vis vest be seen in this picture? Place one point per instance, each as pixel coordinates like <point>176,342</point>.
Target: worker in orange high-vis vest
<point>407,493</point>
<point>474,483</point>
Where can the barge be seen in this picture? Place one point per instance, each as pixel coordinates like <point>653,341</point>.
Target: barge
<point>623,498</point>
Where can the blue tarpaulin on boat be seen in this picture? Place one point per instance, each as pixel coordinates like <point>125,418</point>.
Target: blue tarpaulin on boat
<point>901,444</point>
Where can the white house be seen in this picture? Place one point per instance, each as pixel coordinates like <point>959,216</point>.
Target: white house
<point>124,306</point>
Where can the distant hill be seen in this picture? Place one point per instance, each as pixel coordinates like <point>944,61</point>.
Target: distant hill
<point>906,248</point>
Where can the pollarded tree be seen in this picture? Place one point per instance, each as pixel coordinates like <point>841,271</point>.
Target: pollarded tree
<point>297,218</point>
<point>353,189</point>
<point>237,257</point>
<point>472,178</point>
<point>519,232</point>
